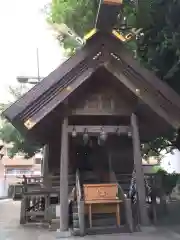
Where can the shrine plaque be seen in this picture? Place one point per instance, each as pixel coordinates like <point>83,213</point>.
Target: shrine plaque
<point>100,192</point>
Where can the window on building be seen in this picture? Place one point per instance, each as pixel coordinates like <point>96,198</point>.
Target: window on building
<point>11,171</point>
<point>38,160</point>
<point>16,171</point>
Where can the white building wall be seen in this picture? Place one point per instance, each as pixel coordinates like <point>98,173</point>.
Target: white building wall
<point>171,162</point>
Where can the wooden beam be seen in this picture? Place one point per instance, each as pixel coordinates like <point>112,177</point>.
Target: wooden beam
<point>128,213</point>
<point>64,215</point>
<point>45,163</point>
<point>48,82</point>
<point>99,112</point>
<point>114,2</point>
<point>144,95</point>
<point>139,172</point>
<point>148,75</point>
<point>97,129</point>
<point>63,94</point>
<point>108,11</point>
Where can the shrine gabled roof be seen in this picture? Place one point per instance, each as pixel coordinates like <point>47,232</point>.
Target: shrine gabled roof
<point>101,49</point>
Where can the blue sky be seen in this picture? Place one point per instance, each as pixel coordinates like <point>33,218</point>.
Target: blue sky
<point>23,29</point>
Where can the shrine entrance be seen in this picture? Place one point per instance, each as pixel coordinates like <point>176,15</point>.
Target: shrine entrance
<point>96,154</point>
<point>89,154</point>
<point>98,194</point>
<point>101,153</point>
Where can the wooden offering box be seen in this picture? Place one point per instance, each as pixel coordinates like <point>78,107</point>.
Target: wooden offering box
<point>102,198</point>
<point>100,193</point>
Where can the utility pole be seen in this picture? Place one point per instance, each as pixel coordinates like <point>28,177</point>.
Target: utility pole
<point>31,79</point>
<point>37,56</point>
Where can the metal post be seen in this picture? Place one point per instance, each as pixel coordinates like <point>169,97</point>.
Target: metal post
<point>37,56</point>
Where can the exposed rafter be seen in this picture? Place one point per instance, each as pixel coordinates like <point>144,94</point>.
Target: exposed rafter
<point>101,50</point>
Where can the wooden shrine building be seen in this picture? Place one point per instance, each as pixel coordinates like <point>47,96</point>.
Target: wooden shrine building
<point>92,113</point>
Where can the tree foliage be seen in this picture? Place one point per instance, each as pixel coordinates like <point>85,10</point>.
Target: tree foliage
<point>160,146</point>
<point>78,15</point>
<point>160,48</point>
<point>159,51</point>
<point>169,180</point>
<point>9,134</point>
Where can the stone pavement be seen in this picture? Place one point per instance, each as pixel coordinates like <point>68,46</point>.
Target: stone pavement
<point>11,230</point>
<point>172,220</point>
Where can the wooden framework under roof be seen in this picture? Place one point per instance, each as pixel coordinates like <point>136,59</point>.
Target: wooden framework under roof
<point>105,58</point>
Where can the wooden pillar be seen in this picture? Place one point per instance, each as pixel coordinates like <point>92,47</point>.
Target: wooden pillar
<point>45,162</point>
<point>128,213</point>
<point>64,178</point>
<point>144,220</point>
<point>81,212</point>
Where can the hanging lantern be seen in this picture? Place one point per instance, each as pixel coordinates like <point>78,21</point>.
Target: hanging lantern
<point>99,141</point>
<point>129,134</point>
<point>85,136</point>
<point>103,135</point>
<point>74,133</point>
<point>118,132</point>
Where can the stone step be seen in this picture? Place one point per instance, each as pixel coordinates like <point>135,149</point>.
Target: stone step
<point>101,230</point>
<point>105,219</point>
<point>102,222</point>
<point>106,230</point>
